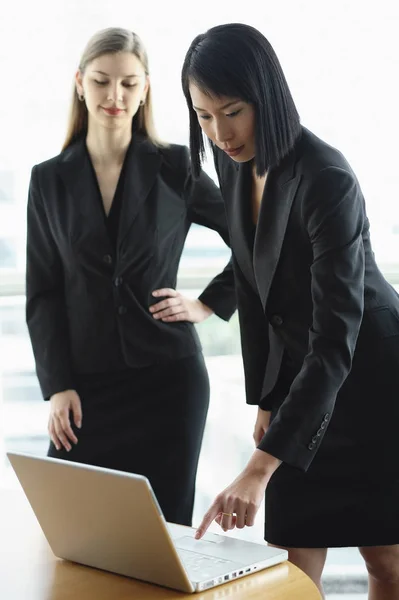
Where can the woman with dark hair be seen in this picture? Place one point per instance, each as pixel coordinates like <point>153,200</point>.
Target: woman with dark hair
<point>115,347</point>
<point>319,323</point>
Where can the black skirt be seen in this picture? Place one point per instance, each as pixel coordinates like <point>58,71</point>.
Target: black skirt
<point>148,421</point>
<point>350,494</point>
<point>305,511</point>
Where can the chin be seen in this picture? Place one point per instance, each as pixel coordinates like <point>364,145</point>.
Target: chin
<point>113,124</point>
<point>241,158</point>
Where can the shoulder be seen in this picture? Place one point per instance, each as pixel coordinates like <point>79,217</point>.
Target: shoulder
<point>330,189</point>
<point>326,177</point>
<point>315,158</point>
<point>175,166</point>
<point>48,168</point>
<point>174,155</point>
<point>43,176</point>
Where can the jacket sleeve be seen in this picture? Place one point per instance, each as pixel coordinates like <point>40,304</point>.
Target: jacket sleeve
<point>206,207</point>
<point>333,215</point>
<point>45,305</point>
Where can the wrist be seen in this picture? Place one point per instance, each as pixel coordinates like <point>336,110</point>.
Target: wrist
<point>263,464</point>
<point>206,310</point>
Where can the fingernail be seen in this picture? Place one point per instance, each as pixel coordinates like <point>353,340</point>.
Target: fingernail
<point>79,424</point>
<point>197,534</point>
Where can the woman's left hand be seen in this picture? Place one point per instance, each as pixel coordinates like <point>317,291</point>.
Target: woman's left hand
<point>176,307</point>
<point>238,504</point>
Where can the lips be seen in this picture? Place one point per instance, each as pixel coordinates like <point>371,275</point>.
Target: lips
<point>113,111</point>
<point>234,151</point>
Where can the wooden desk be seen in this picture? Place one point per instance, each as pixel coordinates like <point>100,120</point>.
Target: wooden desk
<point>30,571</point>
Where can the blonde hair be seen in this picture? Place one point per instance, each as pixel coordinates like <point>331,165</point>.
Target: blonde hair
<point>111,41</point>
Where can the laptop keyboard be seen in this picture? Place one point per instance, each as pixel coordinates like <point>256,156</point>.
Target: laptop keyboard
<point>207,565</point>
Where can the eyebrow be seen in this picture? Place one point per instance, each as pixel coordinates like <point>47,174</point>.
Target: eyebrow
<point>107,75</point>
<point>221,108</point>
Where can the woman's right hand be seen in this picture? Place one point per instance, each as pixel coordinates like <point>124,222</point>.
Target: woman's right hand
<point>59,425</point>
<point>261,425</point>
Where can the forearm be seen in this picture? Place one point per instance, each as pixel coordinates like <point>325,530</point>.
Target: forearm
<point>48,332</point>
<point>220,294</point>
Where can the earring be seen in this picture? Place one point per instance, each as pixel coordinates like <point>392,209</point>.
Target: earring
<point>81,97</point>
<point>142,102</point>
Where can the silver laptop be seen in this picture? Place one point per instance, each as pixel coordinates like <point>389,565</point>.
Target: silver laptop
<point>111,520</point>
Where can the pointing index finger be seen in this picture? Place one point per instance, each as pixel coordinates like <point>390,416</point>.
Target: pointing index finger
<point>207,520</point>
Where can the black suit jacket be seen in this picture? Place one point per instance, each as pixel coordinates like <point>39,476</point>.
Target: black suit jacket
<point>87,304</point>
<point>310,295</point>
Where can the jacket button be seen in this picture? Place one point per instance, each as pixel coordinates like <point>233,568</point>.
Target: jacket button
<point>107,258</point>
<point>326,417</point>
<point>311,446</point>
<point>314,439</point>
<point>276,321</point>
<point>118,281</point>
<point>122,310</point>
<point>319,432</point>
<point>323,425</point>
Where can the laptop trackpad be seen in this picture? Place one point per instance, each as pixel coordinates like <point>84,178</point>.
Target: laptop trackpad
<point>212,546</point>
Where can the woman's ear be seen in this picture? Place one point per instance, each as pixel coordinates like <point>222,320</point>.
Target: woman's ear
<point>79,83</point>
<point>147,86</point>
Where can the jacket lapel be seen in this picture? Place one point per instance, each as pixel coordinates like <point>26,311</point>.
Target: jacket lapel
<point>258,263</point>
<point>141,169</point>
<point>280,189</point>
<point>79,180</point>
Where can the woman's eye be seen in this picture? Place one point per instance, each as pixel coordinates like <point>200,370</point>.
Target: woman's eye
<point>204,117</point>
<point>130,85</point>
<point>235,113</point>
<point>100,82</point>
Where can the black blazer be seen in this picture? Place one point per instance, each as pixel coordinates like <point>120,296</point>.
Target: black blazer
<point>310,294</point>
<point>87,305</point>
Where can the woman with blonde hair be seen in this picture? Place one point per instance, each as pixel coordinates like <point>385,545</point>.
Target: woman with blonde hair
<point>115,347</point>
